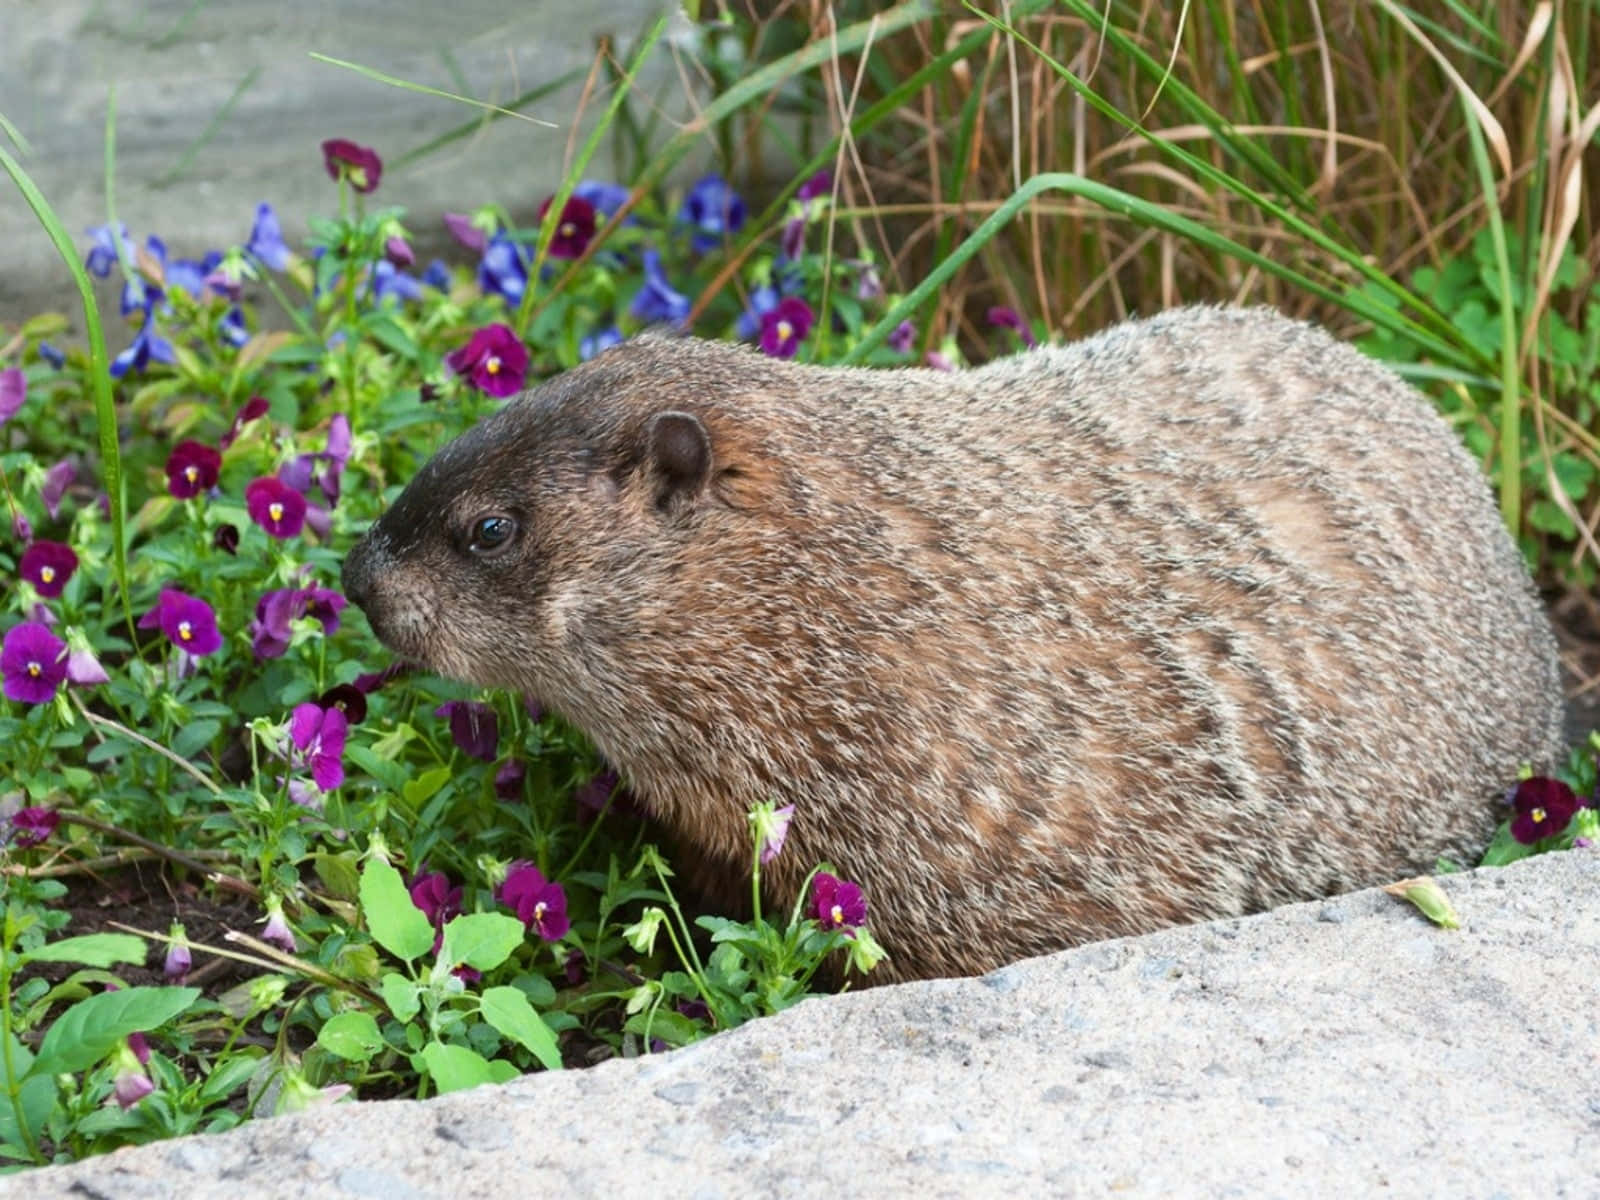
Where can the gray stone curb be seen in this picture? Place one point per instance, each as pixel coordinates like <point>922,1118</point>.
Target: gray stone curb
<point>1344,1048</point>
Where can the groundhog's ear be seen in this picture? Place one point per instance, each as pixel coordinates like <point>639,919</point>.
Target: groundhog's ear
<point>680,457</point>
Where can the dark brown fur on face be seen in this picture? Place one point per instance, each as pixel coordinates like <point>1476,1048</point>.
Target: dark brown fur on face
<point>1194,617</point>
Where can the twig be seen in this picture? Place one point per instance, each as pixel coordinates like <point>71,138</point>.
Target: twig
<point>229,883</point>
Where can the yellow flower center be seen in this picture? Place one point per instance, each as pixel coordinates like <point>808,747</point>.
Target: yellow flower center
<point>837,913</point>
<point>191,473</point>
<point>1538,816</point>
<point>185,631</point>
<point>46,574</point>
<point>492,364</point>
<point>358,176</point>
<point>568,229</point>
<point>34,669</point>
<point>785,331</point>
<point>538,911</point>
<point>275,510</point>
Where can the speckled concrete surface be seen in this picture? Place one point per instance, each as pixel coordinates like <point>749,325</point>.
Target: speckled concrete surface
<point>1345,1048</point>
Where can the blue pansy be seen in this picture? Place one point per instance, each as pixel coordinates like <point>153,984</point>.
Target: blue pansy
<point>714,210</point>
<point>104,254</point>
<point>51,355</point>
<point>657,300</point>
<point>604,198</point>
<point>147,344</point>
<point>390,280</point>
<point>600,340</point>
<point>266,238</point>
<point>232,327</point>
<point>762,301</point>
<point>437,275</point>
<point>504,268</point>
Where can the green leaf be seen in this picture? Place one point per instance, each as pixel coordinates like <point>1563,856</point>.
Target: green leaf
<point>455,1067</point>
<point>396,923</point>
<point>418,790</point>
<point>90,1029</point>
<point>508,1010</point>
<point>228,1077</point>
<point>351,1035</point>
<point>401,995</point>
<point>92,950</point>
<point>37,1096</point>
<point>194,737</point>
<point>481,940</point>
<point>1504,849</point>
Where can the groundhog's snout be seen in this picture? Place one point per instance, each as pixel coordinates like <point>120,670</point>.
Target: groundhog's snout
<point>360,569</point>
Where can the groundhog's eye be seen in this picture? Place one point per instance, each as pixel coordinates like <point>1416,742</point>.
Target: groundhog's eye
<point>492,534</point>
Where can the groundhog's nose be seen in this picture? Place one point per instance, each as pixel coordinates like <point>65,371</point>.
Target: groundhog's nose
<point>356,577</point>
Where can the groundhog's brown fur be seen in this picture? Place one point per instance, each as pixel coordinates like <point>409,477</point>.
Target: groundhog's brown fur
<point>1197,616</point>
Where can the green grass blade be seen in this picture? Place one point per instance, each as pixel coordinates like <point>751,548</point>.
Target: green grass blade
<point>211,129</point>
<point>99,369</point>
<point>467,128</point>
<point>1510,387</point>
<point>558,203</point>
<point>1112,200</point>
<point>424,89</point>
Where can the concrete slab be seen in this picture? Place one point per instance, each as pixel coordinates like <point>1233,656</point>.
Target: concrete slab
<point>1342,1048</point>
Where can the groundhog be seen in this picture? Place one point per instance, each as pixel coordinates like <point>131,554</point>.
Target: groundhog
<point>1199,615</point>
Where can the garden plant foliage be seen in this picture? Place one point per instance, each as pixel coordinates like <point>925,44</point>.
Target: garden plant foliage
<point>449,887</point>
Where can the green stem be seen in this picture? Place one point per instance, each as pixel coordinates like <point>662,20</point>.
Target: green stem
<point>13,1084</point>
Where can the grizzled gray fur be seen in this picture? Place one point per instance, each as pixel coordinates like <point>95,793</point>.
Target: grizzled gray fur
<point>1199,615</point>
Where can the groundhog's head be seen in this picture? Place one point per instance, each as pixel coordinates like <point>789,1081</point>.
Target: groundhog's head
<point>550,542</point>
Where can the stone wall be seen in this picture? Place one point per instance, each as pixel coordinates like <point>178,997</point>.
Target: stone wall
<point>176,64</point>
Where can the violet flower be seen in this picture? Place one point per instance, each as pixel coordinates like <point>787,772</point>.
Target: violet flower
<point>438,901</point>
<point>359,164</point>
<point>57,479</point>
<point>33,662</point>
<point>188,623</point>
<point>772,827</point>
<point>495,360</point>
<point>266,238</point>
<point>147,345</point>
<point>473,726</point>
<point>714,210</point>
<point>48,566</point>
<point>348,699</point>
<point>437,275</point>
<point>192,468</point>
<point>132,1083</point>
<point>226,539</point>
<point>180,960</point>
<point>902,337</point>
<point>232,328</point>
<point>509,778</point>
<point>466,231</point>
<point>32,826</point>
<point>539,904</point>
<point>83,668</point>
<point>250,410</point>
<point>837,903</point>
<point>575,229</point>
<point>277,931</point>
<point>110,247</point>
<point>51,355</point>
<point>1544,807</point>
<point>398,251</point>
<point>503,270</point>
<point>319,735</point>
<point>388,280</point>
<point>602,339</point>
<point>1010,318</point>
<point>605,198</point>
<point>275,506</point>
<point>13,391</point>
<point>657,300</point>
<point>785,327</point>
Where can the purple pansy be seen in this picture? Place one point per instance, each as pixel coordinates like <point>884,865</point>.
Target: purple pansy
<point>269,631</point>
<point>266,238</point>
<point>602,339</point>
<point>319,735</point>
<point>509,778</point>
<point>359,164</point>
<point>820,184</point>
<point>466,231</point>
<point>252,408</point>
<point>277,931</point>
<point>179,961</point>
<point>83,668</point>
<point>13,392</point>
<point>188,623</point>
<point>785,327</point>
<point>48,566</point>
<point>540,904</point>
<point>657,300</point>
<point>1010,318</point>
<point>398,251</point>
<point>57,480</point>
<point>33,661</point>
<point>226,539</point>
<point>775,831</point>
<point>31,826</point>
<point>495,360</point>
<point>275,506</point>
<point>132,1084</point>
<point>1544,807</point>
<point>714,210</point>
<point>474,727</point>
<point>837,903</point>
<point>438,901</point>
<point>901,338</point>
<point>192,468</point>
<point>575,228</point>
<point>348,699</point>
